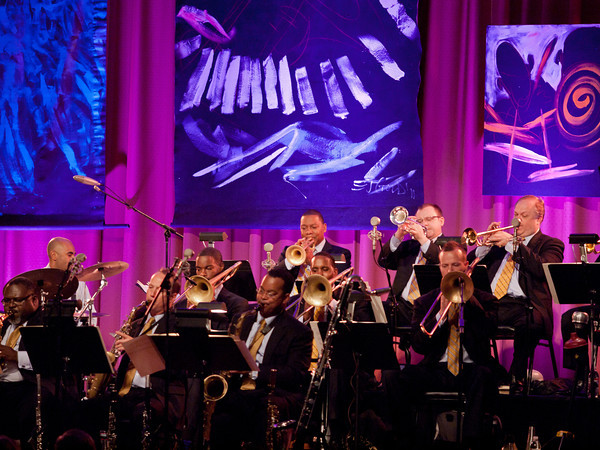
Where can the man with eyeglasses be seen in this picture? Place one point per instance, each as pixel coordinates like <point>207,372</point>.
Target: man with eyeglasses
<point>17,380</point>
<point>412,243</point>
<point>276,341</point>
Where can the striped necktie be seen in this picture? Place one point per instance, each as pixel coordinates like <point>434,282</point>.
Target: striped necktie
<point>505,276</point>
<point>413,292</point>
<point>453,339</point>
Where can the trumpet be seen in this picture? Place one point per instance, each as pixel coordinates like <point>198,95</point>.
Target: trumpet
<point>471,237</point>
<point>199,289</point>
<point>457,287</point>
<point>399,215</point>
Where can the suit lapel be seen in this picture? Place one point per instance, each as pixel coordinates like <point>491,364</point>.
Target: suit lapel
<point>247,325</point>
<point>276,336</point>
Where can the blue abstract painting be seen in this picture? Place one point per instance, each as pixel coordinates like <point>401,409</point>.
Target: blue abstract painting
<point>281,106</point>
<point>542,111</point>
<point>52,107</point>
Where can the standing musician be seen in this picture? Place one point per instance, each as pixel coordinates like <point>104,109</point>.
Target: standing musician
<point>313,228</point>
<point>17,380</point>
<point>401,255</point>
<point>135,391</point>
<point>518,281</point>
<point>209,264</point>
<point>60,253</point>
<point>277,341</point>
<point>439,369</point>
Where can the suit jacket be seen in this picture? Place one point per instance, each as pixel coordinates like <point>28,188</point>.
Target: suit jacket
<point>480,314</point>
<point>541,249</point>
<point>288,350</point>
<point>328,248</point>
<point>402,261</point>
<point>235,304</point>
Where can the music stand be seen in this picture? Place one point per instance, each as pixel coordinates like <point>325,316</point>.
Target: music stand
<point>572,283</point>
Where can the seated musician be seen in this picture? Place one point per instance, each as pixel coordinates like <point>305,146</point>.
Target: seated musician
<point>440,369</point>
<point>135,391</point>
<point>209,264</point>
<point>312,229</point>
<point>17,380</point>
<point>277,341</point>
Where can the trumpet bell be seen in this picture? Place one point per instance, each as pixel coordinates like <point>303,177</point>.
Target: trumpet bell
<point>398,215</point>
<point>202,292</point>
<point>296,255</point>
<point>457,286</point>
<point>316,291</point>
<point>469,237</point>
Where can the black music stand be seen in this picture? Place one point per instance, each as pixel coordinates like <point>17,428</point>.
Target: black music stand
<point>573,283</point>
<point>242,283</point>
<point>360,346</point>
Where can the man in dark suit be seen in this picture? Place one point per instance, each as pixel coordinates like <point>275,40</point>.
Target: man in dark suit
<point>277,341</point>
<point>420,248</point>
<point>135,391</point>
<point>313,228</point>
<point>518,281</point>
<point>17,380</point>
<point>440,369</point>
<point>209,264</point>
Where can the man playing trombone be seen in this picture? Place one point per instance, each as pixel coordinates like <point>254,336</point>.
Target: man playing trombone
<point>436,335</point>
<point>401,255</point>
<point>514,263</point>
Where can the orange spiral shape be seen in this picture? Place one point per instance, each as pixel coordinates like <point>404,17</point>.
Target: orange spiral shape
<point>578,106</point>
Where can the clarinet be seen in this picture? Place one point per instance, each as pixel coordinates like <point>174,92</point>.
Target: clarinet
<point>319,373</point>
<point>39,431</point>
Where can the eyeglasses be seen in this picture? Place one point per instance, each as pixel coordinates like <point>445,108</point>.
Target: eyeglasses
<point>427,219</point>
<point>269,294</point>
<point>6,301</point>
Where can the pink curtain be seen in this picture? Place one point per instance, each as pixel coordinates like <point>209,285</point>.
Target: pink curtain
<point>139,151</point>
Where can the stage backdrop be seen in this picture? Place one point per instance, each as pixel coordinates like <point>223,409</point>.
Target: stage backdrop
<point>281,107</point>
<point>52,107</point>
<point>542,105</point>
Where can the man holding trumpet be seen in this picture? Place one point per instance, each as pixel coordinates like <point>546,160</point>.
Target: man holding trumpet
<point>514,263</point>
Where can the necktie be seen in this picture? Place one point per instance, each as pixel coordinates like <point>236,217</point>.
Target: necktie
<point>505,277</point>
<point>14,337</point>
<point>130,374</point>
<point>453,339</point>
<point>413,292</point>
<point>247,382</point>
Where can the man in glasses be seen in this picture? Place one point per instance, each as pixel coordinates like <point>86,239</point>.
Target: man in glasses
<point>17,380</point>
<point>412,243</point>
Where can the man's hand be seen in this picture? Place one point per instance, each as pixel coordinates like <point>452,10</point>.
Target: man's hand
<point>124,338</point>
<point>8,354</point>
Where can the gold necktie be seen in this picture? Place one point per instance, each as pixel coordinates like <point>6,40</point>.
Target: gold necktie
<point>14,337</point>
<point>505,277</point>
<point>453,339</point>
<point>413,292</point>
<point>248,383</point>
<point>130,374</point>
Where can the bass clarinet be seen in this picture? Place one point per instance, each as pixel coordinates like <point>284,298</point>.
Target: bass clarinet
<point>319,374</point>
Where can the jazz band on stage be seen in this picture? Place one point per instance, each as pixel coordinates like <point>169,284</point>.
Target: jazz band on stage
<point>286,397</point>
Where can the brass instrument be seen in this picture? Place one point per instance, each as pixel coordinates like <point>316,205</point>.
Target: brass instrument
<point>471,237</point>
<point>199,289</point>
<point>215,388</point>
<point>271,441</point>
<point>399,215</point>
<point>457,287</point>
<point>295,254</point>
<point>591,248</point>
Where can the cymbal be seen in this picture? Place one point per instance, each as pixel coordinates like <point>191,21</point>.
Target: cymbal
<point>94,273</point>
<point>49,280</point>
<point>95,314</point>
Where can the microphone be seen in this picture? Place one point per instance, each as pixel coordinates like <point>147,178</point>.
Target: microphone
<point>86,180</point>
<point>268,263</point>
<point>375,234</point>
<point>380,291</point>
<point>187,254</point>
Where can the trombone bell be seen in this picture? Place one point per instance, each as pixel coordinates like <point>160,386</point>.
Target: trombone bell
<point>202,292</point>
<point>316,290</point>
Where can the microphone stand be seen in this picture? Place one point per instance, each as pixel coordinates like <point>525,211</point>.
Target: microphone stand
<point>168,230</point>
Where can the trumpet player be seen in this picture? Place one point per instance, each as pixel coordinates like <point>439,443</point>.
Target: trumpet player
<point>518,281</point>
<point>400,254</point>
<point>312,229</point>
<point>441,369</point>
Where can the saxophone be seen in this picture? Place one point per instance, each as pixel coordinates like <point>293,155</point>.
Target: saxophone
<point>99,381</point>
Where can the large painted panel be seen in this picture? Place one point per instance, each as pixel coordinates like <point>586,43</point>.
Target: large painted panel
<point>542,110</point>
<point>52,104</point>
<point>283,106</point>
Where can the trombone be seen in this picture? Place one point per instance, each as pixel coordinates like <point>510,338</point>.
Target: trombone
<point>317,291</point>
<point>199,289</point>
<point>399,215</point>
<point>457,287</point>
<point>471,237</point>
